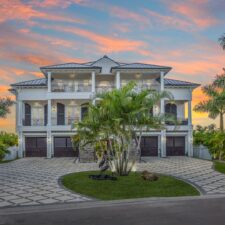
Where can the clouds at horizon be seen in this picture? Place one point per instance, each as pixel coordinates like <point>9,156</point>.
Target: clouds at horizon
<point>176,33</point>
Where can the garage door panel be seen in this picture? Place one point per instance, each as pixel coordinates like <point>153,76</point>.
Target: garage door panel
<point>35,147</point>
<point>149,146</point>
<point>63,147</point>
<point>175,146</point>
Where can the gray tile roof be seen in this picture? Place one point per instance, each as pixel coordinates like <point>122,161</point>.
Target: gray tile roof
<point>36,82</point>
<point>180,83</point>
<point>140,66</point>
<point>168,82</point>
<point>105,64</point>
<point>71,66</point>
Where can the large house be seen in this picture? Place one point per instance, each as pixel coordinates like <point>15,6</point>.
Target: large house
<point>47,107</point>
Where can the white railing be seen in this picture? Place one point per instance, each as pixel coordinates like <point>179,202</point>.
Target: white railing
<point>71,88</point>
<point>67,121</point>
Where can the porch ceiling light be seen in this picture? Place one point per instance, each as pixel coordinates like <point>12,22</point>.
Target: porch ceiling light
<point>138,75</point>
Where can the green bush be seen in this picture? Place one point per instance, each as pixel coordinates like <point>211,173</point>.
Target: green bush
<point>7,140</point>
<point>212,138</point>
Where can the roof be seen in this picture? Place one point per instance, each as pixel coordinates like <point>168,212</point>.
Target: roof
<point>36,82</point>
<point>167,82</point>
<point>140,66</point>
<point>105,65</point>
<point>180,83</point>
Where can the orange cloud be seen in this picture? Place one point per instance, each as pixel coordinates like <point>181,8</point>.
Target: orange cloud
<point>104,43</point>
<point>17,10</point>
<point>170,21</point>
<point>128,15</point>
<point>194,11</point>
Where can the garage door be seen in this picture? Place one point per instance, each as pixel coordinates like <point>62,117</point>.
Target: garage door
<point>35,147</point>
<point>63,147</point>
<point>149,146</point>
<point>175,146</point>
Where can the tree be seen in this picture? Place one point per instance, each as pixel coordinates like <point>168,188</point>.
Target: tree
<point>222,41</point>
<point>116,119</point>
<point>215,103</point>
<point>5,104</point>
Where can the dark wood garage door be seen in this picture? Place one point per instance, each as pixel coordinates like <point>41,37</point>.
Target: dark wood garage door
<point>35,147</point>
<point>63,147</point>
<point>175,146</point>
<point>149,146</point>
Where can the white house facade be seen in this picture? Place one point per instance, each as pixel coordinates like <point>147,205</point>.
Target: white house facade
<point>46,107</point>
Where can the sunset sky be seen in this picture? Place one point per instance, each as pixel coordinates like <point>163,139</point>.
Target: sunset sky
<point>182,34</point>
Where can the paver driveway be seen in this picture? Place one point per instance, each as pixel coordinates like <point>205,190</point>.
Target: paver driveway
<point>32,181</point>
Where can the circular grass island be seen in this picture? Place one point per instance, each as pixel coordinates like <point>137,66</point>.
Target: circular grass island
<point>127,187</point>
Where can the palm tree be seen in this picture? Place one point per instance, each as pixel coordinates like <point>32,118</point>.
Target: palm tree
<point>215,103</point>
<point>222,41</point>
<point>118,117</point>
<point>5,104</point>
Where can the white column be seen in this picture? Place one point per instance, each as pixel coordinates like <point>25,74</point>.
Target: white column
<point>93,81</point>
<point>190,143</point>
<point>20,144</point>
<point>19,113</point>
<point>189,114</point>
<point>49,113</point>
<point>49,144</point>
<point>118,80</point>
<point>162,111</point>
<point>49,81</point>
<point>49,135</point>
<point>163,143</point>
<point>162,107</point>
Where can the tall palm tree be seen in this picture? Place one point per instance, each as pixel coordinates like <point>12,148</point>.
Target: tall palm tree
<point>5,104</point>
<point>222,41</point>
<point>118,117</point>
<point>215,103</point>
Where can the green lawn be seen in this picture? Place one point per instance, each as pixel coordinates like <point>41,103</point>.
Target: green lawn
<point>219,166</point>
<point>127,187</point>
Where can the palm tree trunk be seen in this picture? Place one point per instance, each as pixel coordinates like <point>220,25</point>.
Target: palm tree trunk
<point>221,122</point>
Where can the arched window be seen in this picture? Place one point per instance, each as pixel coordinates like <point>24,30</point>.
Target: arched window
<point>60,114</point>
<point>171,109</point>
<point>27,119</point>
<point>84,110</point>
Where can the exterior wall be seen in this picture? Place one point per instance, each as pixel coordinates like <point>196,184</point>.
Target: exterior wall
<point>37,97</point>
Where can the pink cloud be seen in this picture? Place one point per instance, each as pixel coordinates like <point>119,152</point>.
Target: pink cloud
<point>105,43</point>
<point>17,10</point>
<point>128,15</point>
<point>194,11</point>
<point>169,21</point>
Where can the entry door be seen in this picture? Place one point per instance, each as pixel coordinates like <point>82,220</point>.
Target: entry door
<point>175,146</point>
<point>35,147</point>
<point>149,146</point>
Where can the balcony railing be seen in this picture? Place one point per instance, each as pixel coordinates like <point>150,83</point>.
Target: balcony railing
<point>66,121</point>
<point>34,122</point>
<point>71,88</point>
<point>179,121</point>
<point>102,89</point>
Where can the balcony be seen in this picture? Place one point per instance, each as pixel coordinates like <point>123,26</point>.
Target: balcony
<point>71,88</point>
<point>178,122</point>
<point>34,122</point>
<point>66,121</point>
<point>103,89</point>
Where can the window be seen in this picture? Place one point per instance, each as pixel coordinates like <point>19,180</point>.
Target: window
<point>171,109</point>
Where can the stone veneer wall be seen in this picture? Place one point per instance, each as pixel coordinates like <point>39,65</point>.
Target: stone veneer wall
<point>87,154</point>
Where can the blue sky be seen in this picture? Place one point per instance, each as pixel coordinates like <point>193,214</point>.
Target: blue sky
<point>182,34</point>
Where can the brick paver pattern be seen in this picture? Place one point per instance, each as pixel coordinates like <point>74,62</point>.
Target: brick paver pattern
<point>34,181</point>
